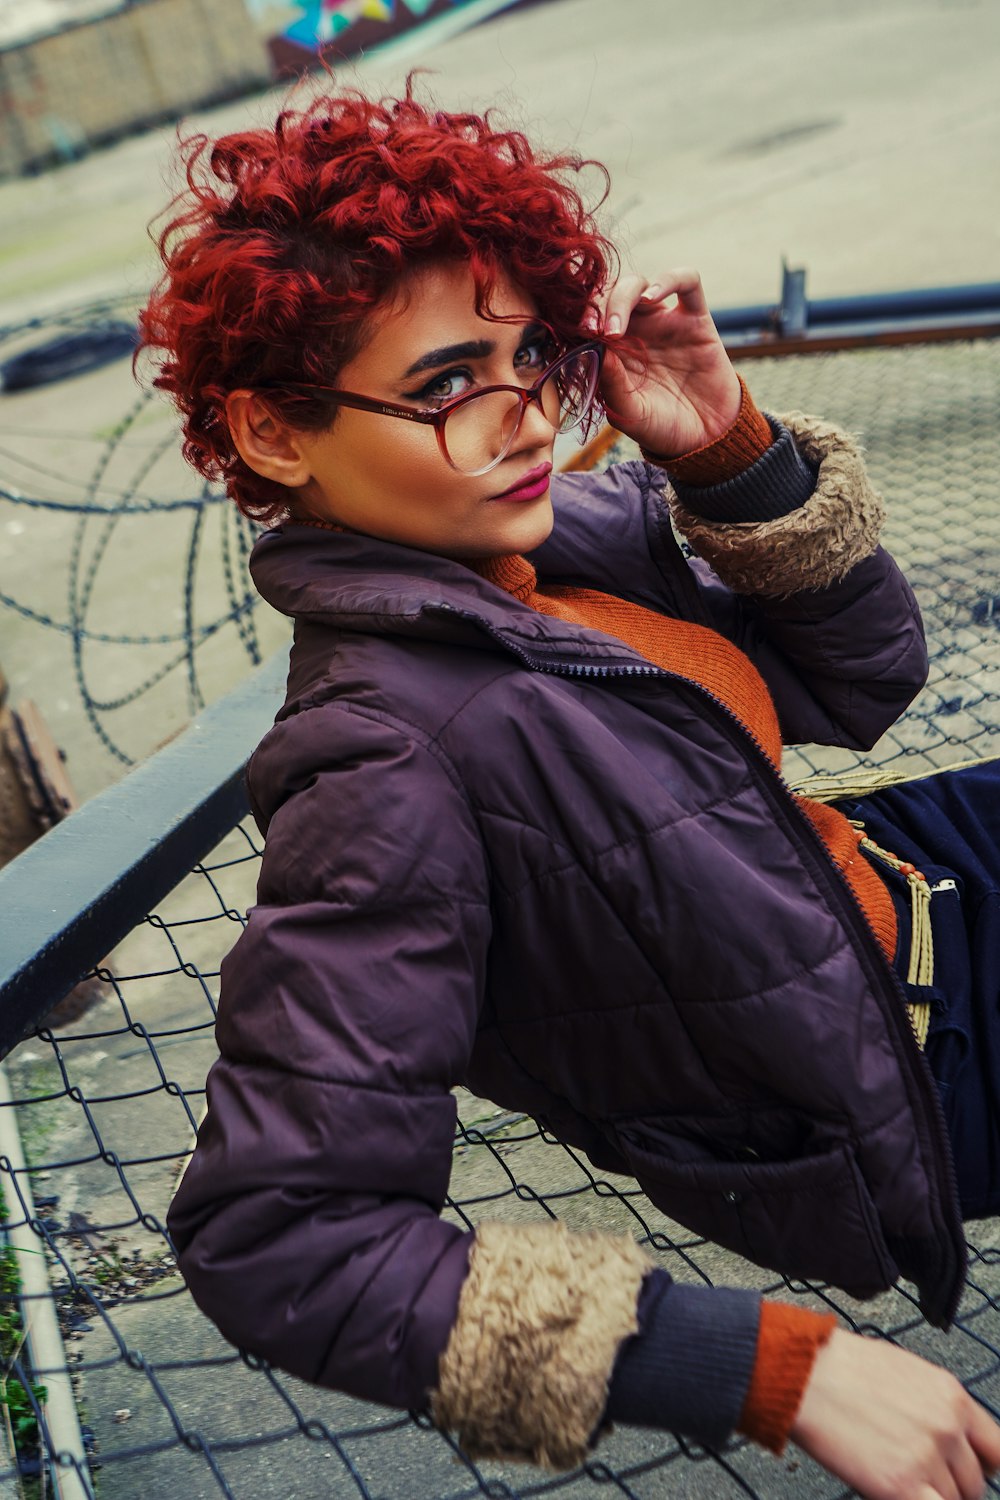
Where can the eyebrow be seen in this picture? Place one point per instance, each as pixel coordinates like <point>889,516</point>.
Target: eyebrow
<point>434,358</point>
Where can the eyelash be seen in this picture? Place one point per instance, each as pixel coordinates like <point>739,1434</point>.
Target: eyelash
<point>426,395</point>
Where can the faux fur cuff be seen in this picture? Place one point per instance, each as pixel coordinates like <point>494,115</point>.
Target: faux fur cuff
<point>810,547</point>
<point>540,1320</point>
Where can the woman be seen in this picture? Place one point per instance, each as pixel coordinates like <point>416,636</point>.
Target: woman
<point>525,823</point>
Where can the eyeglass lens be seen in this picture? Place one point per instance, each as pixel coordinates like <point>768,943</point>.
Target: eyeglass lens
<point>478,433</point>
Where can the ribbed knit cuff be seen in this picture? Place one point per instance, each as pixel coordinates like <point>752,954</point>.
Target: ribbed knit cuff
<point>787,1345</point>
<point>780,481</point>
<point>688,1368</point>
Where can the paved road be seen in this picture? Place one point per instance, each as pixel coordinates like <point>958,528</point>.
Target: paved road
<point>859,139</point>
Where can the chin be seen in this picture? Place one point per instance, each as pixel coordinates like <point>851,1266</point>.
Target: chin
<point>530,528</point>
<point>517,528</point>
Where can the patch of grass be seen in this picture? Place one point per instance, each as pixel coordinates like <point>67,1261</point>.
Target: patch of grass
<point>109,1267</point>
<point>16,1411</point>
<point>20,1413</point>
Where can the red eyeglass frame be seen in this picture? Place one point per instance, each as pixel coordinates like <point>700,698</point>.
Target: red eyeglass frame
<point>438,417</point>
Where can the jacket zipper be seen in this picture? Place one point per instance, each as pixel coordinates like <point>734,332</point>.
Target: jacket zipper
<point>850,913</point>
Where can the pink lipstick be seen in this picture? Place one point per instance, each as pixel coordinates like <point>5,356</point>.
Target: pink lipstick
<point>529,487</point>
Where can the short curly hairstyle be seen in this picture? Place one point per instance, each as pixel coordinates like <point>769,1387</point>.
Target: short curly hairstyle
<point>285,241</point>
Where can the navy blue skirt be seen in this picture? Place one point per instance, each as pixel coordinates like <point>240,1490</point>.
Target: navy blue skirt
<point>948,826</point>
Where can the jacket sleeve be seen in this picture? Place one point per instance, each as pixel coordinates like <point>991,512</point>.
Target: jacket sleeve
<point>824,612</point>
<point>308,1221</point>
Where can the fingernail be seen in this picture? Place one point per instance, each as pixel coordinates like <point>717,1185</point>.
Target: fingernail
<point>614,324</point>
<point>650,293</point>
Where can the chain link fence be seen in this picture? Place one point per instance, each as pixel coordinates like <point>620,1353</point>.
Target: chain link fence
<point>929,418</point>
<point>107,1103</point>
<point>107,1109</point>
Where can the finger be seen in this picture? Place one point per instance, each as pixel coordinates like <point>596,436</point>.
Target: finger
<point>967,1472</point>
<point>685,281</point>
<point>684,285</point>
<point>984,1435</point>
<point>621,379</point>
<point>618,385</point>
<point>945,1485</point>
<point>621,300</point>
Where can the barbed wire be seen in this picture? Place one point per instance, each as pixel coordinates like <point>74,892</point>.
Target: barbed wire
<point>928,414</point>
<point>102,495</point>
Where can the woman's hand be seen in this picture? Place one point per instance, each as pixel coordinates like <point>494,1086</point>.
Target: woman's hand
<point>681,391</point>
<point>892,1426</point>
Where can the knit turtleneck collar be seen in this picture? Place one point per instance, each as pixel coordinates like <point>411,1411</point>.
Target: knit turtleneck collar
<point>514,574</point>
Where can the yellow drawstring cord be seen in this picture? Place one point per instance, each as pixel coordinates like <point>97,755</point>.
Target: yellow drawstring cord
<point>921,966</point>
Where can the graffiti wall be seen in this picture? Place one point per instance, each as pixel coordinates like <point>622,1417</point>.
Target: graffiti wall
<point>298,33</point>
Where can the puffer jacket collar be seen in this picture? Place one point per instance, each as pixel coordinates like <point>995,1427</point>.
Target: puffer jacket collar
<point>350,582</point>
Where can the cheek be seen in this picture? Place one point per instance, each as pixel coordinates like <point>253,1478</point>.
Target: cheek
<point>373,460</point>
<point>408,452</point>
<point>414,475</point>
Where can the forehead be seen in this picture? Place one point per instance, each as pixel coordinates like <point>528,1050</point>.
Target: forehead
<point>434,307</point>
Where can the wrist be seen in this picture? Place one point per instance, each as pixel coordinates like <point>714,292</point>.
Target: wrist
<point>688,1368</point>
<point>788,1343</point>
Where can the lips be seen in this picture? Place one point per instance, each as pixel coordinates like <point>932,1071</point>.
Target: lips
<point>529,487</point>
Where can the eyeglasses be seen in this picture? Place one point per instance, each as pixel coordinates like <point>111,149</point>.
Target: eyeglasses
<point>475,431</point>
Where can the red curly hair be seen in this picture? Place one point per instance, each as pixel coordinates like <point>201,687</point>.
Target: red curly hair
<point>286,240</point>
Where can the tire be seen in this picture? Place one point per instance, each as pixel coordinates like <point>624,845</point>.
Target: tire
<point>70,354</point>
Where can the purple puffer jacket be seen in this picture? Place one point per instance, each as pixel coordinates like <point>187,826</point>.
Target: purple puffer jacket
<point>505,851</point>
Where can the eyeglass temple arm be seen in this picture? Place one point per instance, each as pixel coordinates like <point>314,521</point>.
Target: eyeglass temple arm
<point>361,403</point>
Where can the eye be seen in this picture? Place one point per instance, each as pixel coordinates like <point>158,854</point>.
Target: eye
<point>537,351</point>
<point>443,388</point>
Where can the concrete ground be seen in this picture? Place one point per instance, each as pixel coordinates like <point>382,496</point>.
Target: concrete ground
<point>859,140</point>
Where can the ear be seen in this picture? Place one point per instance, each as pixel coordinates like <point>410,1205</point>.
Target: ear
<point>264,441</point>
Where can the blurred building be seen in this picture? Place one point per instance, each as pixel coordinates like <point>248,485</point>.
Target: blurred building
<point>76,73</point>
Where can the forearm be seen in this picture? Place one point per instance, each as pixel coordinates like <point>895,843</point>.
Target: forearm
<point>525,1340</point>
<point>560,1335</point>
<point>753,472</point>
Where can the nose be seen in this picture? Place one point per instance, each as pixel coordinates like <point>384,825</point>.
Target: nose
<point>536,430</point>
